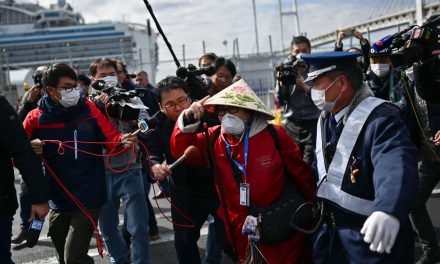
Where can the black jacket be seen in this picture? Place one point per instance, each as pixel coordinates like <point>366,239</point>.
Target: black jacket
<point>14,144</point>
<point>187,179</point>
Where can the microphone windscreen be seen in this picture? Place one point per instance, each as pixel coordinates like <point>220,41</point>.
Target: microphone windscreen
<point>190,151</point>
<point>182,72</point>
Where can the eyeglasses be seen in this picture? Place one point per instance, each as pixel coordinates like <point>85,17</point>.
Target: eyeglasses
<point>69,89</point>
<point>181,102</point>
<point>221,111</point>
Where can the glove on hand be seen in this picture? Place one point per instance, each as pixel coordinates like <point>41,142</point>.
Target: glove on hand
<point>380,230</point>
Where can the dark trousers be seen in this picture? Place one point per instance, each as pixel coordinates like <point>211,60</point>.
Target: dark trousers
<point>347,246</point>
<point>25,204</point>
<point>5,239</point>
<point>304,134</point>
<point>429,176</point>
<point>197,208</point>
<point>71,234</point>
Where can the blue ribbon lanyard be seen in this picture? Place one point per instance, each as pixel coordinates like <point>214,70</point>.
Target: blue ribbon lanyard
<point>246,145</point>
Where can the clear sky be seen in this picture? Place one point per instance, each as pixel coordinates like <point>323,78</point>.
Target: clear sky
<point>217,22</point>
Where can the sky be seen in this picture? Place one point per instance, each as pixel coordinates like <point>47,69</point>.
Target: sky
<point>219,22</point>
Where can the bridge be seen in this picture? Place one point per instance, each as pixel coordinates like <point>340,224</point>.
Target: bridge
<point>393,13</point>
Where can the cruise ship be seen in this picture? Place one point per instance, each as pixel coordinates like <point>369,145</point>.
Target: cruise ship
<point>32,35</point>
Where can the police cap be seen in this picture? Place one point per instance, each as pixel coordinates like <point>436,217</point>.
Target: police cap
<point>321,63</point>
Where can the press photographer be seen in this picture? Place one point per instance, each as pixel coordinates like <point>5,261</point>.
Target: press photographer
<point>193,78</point>
<point>124,176</point>
<point>416,50</point>
<point>293,94</point>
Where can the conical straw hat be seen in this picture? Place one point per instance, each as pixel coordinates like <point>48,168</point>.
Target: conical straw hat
<point>240,94</point>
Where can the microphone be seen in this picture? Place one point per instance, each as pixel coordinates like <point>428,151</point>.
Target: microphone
<point>143,127</point>
<point>189,151</point>
<point>183,72</point>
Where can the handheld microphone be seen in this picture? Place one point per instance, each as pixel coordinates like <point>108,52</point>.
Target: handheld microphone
<point>34,231</point>
<point>189,151</point>
<point>143,127</point>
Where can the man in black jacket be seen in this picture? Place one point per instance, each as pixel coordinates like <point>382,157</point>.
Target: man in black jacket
<point>189,186</point>
<point>15,145</point>
<point>29,103</point>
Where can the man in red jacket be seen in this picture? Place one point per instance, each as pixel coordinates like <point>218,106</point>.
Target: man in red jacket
<point>64,115</point>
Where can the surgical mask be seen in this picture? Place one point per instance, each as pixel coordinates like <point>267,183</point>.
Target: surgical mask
<point>318,97</point>
<point>69,99</point>
<point>232,124</point>
<point>410,73</point>
<point>110,80</point>
<point>380,69</point>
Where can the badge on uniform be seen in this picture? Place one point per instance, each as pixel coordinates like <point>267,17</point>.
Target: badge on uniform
<point>244,194</point>
<point>354,170</point>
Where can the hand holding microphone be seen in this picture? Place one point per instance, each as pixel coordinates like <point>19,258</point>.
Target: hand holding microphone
<point>161,171</point>
<point>128,140</point>
<point>189,152</point>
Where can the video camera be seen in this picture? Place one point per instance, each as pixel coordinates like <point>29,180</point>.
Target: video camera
<point>119,104</point>
<point>415,44</point>
<point>198,87</point>
<point>38,79</point>
<point>287,72</point>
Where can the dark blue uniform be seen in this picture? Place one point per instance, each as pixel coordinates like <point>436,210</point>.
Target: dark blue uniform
<point>387,164</point>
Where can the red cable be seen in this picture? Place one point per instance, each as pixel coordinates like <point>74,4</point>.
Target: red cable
<point>61,151</point>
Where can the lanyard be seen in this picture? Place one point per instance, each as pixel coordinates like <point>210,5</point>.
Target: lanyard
<point>246,145</point>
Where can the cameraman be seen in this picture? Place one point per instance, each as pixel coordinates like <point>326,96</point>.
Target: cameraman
<point>426,135</point>
<point>382,78</point>
<point>31,97</point>
<point>302,115</point>
<point>124,184</point>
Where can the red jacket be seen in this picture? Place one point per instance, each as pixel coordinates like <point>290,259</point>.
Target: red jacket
<point>82,174</point>
<point>266,178</point>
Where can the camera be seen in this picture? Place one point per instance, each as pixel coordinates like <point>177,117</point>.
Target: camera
<point>415,44</point>
<point>119,105</point>
<point>198,85</point>
<point>38,79</point>
<point>287,72</point>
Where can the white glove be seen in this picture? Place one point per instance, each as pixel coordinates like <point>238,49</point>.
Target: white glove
<point>380,230</point>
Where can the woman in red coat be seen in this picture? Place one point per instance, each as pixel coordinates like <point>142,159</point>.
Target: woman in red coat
<point>244,139</point>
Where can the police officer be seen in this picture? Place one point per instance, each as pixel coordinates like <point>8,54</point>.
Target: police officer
<point>366,164</point>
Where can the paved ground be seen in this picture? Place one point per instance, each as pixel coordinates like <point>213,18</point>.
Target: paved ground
<point>162,250</point>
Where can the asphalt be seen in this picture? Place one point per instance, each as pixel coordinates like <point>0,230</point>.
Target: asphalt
<point>161,250</point>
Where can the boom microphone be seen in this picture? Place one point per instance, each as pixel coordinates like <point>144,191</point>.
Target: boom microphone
<point>189,151</point>
<point>183,72</point>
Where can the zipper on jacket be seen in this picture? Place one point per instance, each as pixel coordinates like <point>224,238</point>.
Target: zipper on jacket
<point>75,134</point>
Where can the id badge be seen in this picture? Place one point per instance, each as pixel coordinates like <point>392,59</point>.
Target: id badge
<point>244,194</point>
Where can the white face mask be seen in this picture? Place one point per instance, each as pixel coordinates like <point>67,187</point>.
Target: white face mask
<point>232,124</point>
<point>380,69</point>
<point>69,99</point>
<point>110,80</point>
<point>318,97</point>
<point>410,73</point>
